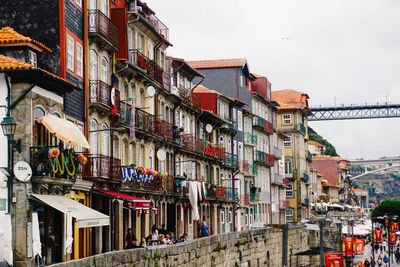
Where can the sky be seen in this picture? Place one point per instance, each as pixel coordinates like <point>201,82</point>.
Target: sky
<point>336,51</point>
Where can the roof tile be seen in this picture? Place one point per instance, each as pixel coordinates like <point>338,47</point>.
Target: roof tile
<point>217,63</point>
<point>290,99</point>
<point>8,36</point>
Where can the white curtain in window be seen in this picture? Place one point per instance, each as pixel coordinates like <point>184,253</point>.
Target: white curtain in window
<point>105,140</point>
<point>104,70</point>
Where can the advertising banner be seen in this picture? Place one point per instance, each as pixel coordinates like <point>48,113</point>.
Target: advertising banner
<point>359,245</point>
<point>378,235</point>
<point>334,260</point>
<point>348,246</point>
<point>393,238</point>
<point>395,227</point>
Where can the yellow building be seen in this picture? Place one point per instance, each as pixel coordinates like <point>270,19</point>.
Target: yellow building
<point>292,114</point>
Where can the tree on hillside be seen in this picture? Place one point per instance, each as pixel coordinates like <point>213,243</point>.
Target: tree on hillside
<point>329,148</point>
<point>387,207</point>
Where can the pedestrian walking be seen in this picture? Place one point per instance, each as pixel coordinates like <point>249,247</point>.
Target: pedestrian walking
<point>385,260</point>
<point>397,255</point>
<point>203,229</point>
<point>379,263</point>
<point>366,263</point>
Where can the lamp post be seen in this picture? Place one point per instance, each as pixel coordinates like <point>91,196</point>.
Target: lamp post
<point>8,125</point>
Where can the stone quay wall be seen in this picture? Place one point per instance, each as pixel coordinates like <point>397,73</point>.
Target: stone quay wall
<point>261,247</point>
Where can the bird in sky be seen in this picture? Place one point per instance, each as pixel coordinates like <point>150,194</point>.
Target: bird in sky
<point>285,38</point>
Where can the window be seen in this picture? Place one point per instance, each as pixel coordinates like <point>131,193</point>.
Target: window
<point>33,58</point>
<point>79,2</point>
<point>235,147</point>
<point>116,147</point>
<point>70,52</point>
<point>230,216</point>
<point>93,137</point>
<point>221,142</point>
<point>289,190</point>
<point>105,135</point>
<point>94,65</point>
<point>242,80</point>
<point>289,215</point>
<point>288,166</point>
<point>286,119</point>
<point>104,7</point>
<point>39,112</point>
<point>79,59</point>
<point>287,142</point>
<point>222,216</point>
<point>104,70</point>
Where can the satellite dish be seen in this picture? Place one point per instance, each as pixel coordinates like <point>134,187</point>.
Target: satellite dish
<point>209,128</point>
<point>174,90</point>
<point>151,91</point>
<point>161,155</point>
<point>22,171</point>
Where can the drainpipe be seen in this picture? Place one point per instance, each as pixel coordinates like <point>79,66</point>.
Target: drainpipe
<point>202,79</point>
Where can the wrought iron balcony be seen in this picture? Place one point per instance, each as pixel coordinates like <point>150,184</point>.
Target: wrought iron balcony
<point>149,66</point>
<point>214,151</point>
<point>144,121</point>
<point>211,190</point>
<point>163,129</point>
<point>125,112</point>
<point>269,160</point>
<point>309,156</point>
<point>140,186</point>
<point>263,124</point>
<point>192,143</point>
<point>244,165</point>
<point>100,24</point>
<point>100,94</point>
<point>260,156</point>
<point>188,97</point>
<point>232,193</point>
<point>250,139</point>
<point>102,167</point>
<point>231,159</point>
<point>221,192</point>
<point>245,200</point>
<point>63,166</point>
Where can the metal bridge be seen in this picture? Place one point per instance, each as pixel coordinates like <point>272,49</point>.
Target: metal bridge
<point>351,112</point>
<point>361,162</point>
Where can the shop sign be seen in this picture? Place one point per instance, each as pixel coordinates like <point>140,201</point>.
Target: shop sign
<point>359,246</point>
<point>378,235</point>
<point>334,260</point>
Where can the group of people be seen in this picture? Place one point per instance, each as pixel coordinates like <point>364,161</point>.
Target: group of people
<point>159,237</point>
<point>381,262</point>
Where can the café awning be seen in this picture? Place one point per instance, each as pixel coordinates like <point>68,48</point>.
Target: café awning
<point>85,216</point>
<point>140,204</point>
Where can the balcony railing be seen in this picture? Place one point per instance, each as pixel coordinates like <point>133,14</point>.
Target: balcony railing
<point>192,143</point>
<point>269,160</point>
<point>166,81</point>
<point>64,166</point>
<point>231,193</point>
<point>221,192</point>
<point>214,151</point>
<point>250,139</point>
<point>144,121</point>
<point>159,27</point>
<point>301,128</point>
<point>100,93</point>
<point>253,169</point>
<point>309,156</point>
<point>163,129</point>
<point>149,66</point>
<point>101,166</point>
<point>231,159</point>
<point>188,97</point>
<point>244,165</point>
<point>101,24</point>
<point>211,190</point>
<point>260,156</point>
<point>245,200</point>
<point>263,124</point>
<point>149,186</point>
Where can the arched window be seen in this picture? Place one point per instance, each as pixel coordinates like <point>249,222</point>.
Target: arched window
<point>104,70</point>
<point>94,65</point>
<point>124,155</point>
<point>39,112</point>
<point>132,152</point>
<point>94,142</point>
<point>105,140</point>
<point>56,114</point>
<point>116,147</point>
<point>142,156</point>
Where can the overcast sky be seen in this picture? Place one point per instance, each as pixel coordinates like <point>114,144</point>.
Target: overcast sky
<point>343,51</point>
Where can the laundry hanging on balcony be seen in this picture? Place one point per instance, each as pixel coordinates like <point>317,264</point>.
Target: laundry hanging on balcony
<point>64,130</point>
<point>112,97</point>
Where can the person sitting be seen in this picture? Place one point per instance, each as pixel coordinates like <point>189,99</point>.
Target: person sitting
<point>149,241</point>
<point>183,238</point>
<point>162,240</point>
<point>172,237</point>
<point>163,230</point>
<point>143,243</point>
<point>130,239</point>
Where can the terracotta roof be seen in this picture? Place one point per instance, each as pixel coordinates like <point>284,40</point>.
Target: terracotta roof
<point>329,185</point>
<point>181,60</point>
<point>258,75</point>
<point>314,143</point>
<point>329,158</point>
<point>290,99</point>
<point>218,63</point>
<point>9,37</point>
<point>359,190</point>
<point>9,63</point>
<point>200,89</point>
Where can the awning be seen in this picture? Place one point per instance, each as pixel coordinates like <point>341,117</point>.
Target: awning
<point>64,130</point>
<point>85,216</point>
<point>140,204</point>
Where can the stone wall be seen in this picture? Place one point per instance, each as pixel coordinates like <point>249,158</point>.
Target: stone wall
<point>262,247</point>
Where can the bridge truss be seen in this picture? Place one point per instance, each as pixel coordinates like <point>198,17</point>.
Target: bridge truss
<point>351,112</point>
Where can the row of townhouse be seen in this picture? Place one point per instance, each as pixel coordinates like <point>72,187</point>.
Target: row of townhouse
<point>171,142</point>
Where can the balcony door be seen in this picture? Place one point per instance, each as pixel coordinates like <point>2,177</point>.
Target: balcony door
<point>104,70</point>
<point>105,140</point>
<point>104,7</point>
<point>94,65</point>
<point>93,137</point>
